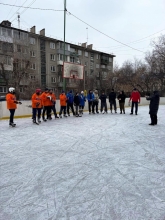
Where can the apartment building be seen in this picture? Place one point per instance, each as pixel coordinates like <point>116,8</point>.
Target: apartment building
<point>45,56</point>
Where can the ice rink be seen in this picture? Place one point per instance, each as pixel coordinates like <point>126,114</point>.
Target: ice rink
<point>98,167</point>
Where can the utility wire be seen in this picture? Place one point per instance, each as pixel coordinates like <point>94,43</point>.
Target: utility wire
<point>17,9</point>
<point>103,33</point>
<point>11,9</point>
<point>44,9</point>
<point>28,6</point>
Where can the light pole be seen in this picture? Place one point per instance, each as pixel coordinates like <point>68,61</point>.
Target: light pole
<point>64,81</point>
<point>84,77</point>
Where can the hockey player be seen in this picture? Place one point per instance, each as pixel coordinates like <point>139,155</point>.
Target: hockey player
<point>103,98</point>
<point>12,105</point>
<point>77,103</point>
<point>63,100</point>
<point>82,103</point>
<point>90,98</point>
<point>36,106</point>
<point>46,103</point>
<point>53,103</point>
<point>70,99</point>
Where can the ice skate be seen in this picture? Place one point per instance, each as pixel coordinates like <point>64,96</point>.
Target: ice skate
<point>103,112</point>
<point>12,124</point>
<point>34,122</point>
<point>39,121</point>
<point>65,116</point>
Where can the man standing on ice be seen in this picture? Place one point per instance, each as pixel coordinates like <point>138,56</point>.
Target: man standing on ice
<point>135,97</point>
<point>153,107</point>
<point>36,105</point>
<point>90,98</point>
<point>12,105</point>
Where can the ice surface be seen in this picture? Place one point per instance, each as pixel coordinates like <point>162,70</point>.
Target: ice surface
<point>98,167</point>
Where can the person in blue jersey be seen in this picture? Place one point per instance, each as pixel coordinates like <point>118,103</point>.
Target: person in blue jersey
<point>70,100</point>
<point>82,103</point>
<point>90,98</point>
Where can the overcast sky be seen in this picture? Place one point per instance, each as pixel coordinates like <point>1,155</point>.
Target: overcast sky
<point>124,20</point>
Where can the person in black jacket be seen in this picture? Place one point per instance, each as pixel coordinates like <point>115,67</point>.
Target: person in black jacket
<point>103,98</point>
<point>112,100</point>
<point>121,97</point>
<point>77,103</point>
<point>153,107</point>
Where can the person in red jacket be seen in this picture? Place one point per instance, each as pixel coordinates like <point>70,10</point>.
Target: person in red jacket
<point>36,106</point>
<point>46,104</point>
<point>12,105</point>
<point>135,97</point>
<point>53,103</point>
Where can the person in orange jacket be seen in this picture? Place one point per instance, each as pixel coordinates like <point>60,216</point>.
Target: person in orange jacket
<point>63,100</point>
<point>53,103</point>
<point>37,105</point>
<point>12,105</point>
<point>46,99</point>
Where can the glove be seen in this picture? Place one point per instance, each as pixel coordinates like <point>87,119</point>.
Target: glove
<point>49,97</point>
<point>20,103</point>
<point>16,102</point>
<point>37,104</point>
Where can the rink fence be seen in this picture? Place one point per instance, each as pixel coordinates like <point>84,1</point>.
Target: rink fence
<point>25,109</point>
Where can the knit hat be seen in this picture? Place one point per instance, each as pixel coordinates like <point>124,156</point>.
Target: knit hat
<point>82,92</point>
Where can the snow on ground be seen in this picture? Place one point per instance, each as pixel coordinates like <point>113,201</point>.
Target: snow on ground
<point>98,167</point>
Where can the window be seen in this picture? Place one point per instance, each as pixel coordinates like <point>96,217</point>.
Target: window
<point>32,40</point>
<point>59,79</point>
<point>92,56</point>
<point>97,74</point>
<point>86,63</point>
<point>3,89</point>
<point>79,52</point>
<point>110,59</point>
<point>91,65</point>
<point>72,50</point>
<point>32,54</point>
<point>53,79</point>
<point>91,72</point>
<point>104,75</point>
<point>60,57</point>
<point>109,67</point>
<point>97,56</point>
<point>7,60</point>
<point>33,66</point>
<point>103,66</point>
<point>72,59</point>
<point>53,69</point>
<point>52,57</point>
<point>97,66</point>
<point>21,89</point>
<point>86,54</point>
<point>52,45</point>
<point>18,48</point>
<point>33,77</point>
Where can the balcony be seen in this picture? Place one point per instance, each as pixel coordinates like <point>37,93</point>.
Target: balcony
<point>61,51</point>
<point>60,62</point>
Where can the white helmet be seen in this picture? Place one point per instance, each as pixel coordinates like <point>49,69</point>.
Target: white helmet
<point>11,89</point>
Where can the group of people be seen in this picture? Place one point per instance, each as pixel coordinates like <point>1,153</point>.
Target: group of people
<point>44,103</point>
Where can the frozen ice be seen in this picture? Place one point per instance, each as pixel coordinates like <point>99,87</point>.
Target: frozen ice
<point>98,167</point>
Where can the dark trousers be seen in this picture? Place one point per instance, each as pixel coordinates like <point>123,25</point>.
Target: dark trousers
<point>122,108</point>
<point>136,107</point>
<point>154,119</point>
<point>53,108</point>
<point>113,103</point>
<point>70,105</point>
<point>81,107</point>
<point>62,109</point>
<point>104,106</point>
<point>95,104</point>
<point>90,106</point>
<point>77,108</point>
<point>45,110</point>
<point>12,111</point>
<point>36,111</point>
